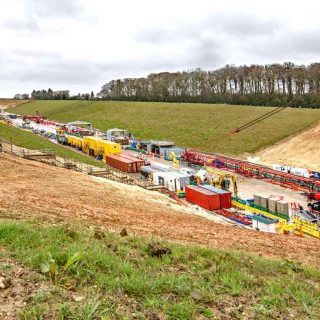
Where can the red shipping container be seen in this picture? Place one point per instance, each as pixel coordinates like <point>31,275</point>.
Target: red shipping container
<point>202,197</point>
<point>121,163</point>
<point>225,196</point>
<point>139,163</point>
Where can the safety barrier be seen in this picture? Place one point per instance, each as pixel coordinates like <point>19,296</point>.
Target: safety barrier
<point>257,211</point>
<point>297,225</point>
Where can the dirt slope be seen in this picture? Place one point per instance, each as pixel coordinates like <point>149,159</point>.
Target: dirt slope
<point>9,103</point>
<point>301,150</point>
<point>31,189</point>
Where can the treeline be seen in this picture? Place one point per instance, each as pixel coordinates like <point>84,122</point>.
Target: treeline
<point>284,84</point>
<point>55,95</point>
<point>50,94</point>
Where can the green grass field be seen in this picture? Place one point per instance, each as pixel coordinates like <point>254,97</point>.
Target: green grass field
<point>119,278</point>
<point>202,126</point>
<point>29,140</point>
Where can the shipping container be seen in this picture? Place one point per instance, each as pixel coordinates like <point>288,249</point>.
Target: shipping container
<point>139,162</point>
<point>203,197</point>
<point>90,145</point>
<point>225,196</point>
<point>120,163</point>
<point>107,147</point>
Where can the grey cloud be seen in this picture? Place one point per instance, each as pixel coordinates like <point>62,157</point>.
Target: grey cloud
<point>244,25</point>
<point>21,25</point>
<point>208,50</point>
<point>165,34</point>
<point>53,8</point>
<point>37,53</point>
<point>153,35</point>
<point>305,43</point>
<point>229,25</point>
<point>288,46</point>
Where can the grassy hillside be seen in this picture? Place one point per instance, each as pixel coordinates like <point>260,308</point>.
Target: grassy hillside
<point>201,126</point>
<point>99,275</point>
<point>31,141</point>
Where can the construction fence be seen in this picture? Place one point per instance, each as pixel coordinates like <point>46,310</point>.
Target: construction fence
<point>51,158</point>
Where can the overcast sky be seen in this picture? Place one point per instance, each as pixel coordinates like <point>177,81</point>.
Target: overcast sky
<point>82,44</point>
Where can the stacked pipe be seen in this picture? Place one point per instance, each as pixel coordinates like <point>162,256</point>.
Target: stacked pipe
<point>252,170</point>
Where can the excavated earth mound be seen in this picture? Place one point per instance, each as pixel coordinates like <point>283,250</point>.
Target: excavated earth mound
<point>301,150</point>
<point>34,190</point>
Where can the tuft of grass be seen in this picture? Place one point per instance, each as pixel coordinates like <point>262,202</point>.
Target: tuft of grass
<point>34,312</point>
<point>29,140</point>
<point>90,310</point>
<point>118,278</point>
<point>202,126</point>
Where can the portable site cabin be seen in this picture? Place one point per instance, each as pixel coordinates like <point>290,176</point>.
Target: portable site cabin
<point>263,223</point>
<point>156,147</point>
<point>174,181</point>
<point>148,171</point>
<point>182,180</point>
<point>160,166</point>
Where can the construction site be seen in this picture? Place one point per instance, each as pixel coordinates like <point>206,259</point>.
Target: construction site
<point>276,199</point>
<point>153,189</point>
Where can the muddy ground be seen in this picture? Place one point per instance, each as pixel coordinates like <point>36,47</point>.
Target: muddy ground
<point>18,286</point>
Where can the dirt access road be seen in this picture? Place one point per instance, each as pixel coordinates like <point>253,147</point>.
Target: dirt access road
<point>34,190</point>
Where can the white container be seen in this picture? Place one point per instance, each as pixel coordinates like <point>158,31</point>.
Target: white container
<point>160,166</point>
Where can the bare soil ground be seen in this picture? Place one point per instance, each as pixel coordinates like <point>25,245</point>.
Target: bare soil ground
<point>9,103</point>
<point>301,150</point>
<point>18,285</point>
<point>34,190</point>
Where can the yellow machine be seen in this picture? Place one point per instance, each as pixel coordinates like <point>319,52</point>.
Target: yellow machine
<point>173,157</point>
<point>224,179</point>
<point>95,146</point>
<point>60,131</point>
<point>90,145</point>
<point>75,141</point>
<point>107,147</point>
